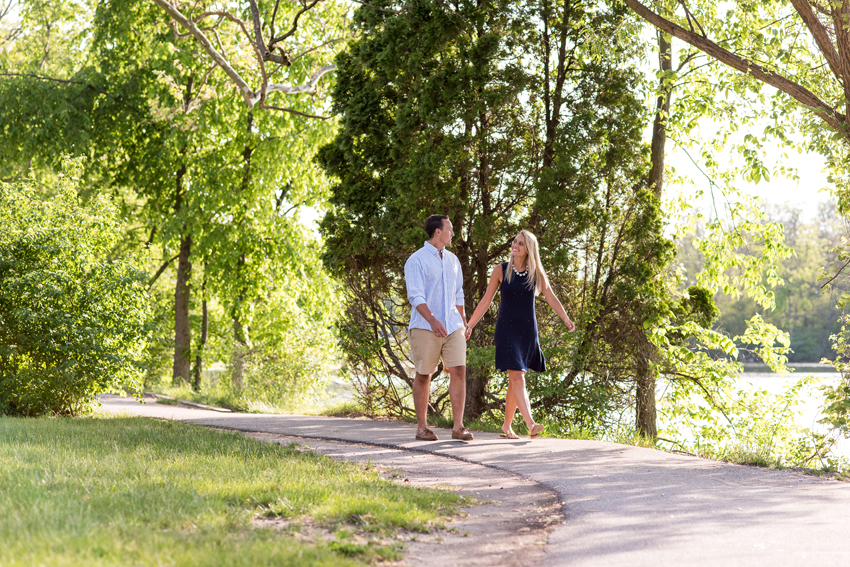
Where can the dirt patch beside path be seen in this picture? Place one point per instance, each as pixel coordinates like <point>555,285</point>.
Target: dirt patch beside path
<point>509,530</point>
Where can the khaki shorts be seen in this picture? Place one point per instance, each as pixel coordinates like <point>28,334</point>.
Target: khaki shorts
<point>427,350</point>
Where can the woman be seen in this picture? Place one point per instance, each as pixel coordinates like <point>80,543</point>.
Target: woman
<point>520,280</point>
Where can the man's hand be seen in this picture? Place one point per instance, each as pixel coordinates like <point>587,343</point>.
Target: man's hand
<point>468,332</point>
<point>437,327</point>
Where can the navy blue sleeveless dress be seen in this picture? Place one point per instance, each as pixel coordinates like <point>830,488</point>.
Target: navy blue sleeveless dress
<point>517,345</point>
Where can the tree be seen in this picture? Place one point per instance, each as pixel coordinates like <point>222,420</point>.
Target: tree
<point>799,48</point>
<point>501,116</point>
<point>200,180</point>
<point>263,41</point>
<point>73,323</point>
<point>809,315</point>
<point>766,41</point>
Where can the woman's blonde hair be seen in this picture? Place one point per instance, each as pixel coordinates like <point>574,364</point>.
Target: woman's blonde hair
<point>536,274</point>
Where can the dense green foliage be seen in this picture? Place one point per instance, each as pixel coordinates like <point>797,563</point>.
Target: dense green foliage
<point>212,194</point>
<point>72,317</point>
<point>502,116</point>
<point>804,309</point>
<point>134,491</point>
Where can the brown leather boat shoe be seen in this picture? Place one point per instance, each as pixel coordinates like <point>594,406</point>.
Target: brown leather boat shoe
<point>426,435</point>
<point>463,434</point>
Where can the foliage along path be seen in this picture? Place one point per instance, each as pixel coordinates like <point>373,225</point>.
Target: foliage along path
<point>622,505</point>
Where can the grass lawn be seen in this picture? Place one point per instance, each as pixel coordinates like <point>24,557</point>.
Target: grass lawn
<point>134,491</point>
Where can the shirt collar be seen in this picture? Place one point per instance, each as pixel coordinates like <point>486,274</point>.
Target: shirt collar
<point>431,248</point>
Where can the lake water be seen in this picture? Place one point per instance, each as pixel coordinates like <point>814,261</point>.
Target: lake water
<point>759,377</point>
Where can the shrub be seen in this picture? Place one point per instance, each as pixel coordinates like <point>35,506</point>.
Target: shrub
<point>72,319</point>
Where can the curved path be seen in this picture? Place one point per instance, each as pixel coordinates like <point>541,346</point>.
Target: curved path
<point>623,506</point>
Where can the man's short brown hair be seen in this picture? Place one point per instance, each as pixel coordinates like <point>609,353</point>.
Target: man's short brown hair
<point>434,222</point>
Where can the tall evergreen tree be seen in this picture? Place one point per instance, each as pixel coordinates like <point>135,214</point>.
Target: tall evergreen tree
<point>503,116</point>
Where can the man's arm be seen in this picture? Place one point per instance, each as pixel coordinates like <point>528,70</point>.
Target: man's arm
<point>436,326</point>
<point>459,297</point>
<point>415,282</point>
<point>416,295</point>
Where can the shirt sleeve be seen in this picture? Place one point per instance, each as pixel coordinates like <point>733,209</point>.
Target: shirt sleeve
<point>459,284</point>
<point>414,281</point>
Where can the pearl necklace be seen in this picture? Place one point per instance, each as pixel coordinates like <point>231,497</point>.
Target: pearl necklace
<point>522,273</point>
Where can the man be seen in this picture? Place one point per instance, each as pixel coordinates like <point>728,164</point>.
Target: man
<point>437,324</point>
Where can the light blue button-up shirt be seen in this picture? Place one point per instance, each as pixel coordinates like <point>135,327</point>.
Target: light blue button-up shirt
<point>437,282</point>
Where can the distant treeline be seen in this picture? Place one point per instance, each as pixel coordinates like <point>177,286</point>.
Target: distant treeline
<point>809,315</point>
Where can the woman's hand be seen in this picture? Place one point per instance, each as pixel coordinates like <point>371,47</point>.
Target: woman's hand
<point>468,331</point>
<point>570,325</point>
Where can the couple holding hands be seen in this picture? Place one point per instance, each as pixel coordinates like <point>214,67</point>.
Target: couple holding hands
<point>438,327</point>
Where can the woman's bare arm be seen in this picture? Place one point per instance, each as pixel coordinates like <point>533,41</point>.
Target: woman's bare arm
<point>487,300</point>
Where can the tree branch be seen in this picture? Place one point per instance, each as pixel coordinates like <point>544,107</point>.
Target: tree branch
<point>160,270</point>
<point>801,94</point>
<point>228,16</point>
<point>294,24</point>
<point>303,53</point>
<point>265,53</point>
<point>820,8</point>
<point>247,92</point>
<point>5,8</point>
<point>274,15</point>
<point>305,88</point>
<point>284,191</point>
<point>54,80</point>
<point>838,272</point>
<point>841,25</point>
<point>820,33</point>
<point>13,34</point>
<point>295,112</point>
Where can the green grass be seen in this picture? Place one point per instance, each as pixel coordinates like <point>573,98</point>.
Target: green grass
<point>744,456</point>
<point>134,491</point>
<point>343,409</point>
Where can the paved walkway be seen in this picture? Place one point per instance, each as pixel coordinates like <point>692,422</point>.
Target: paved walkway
<point>624,506</point>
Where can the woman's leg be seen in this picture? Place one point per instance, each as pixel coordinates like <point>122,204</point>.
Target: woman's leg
<point>510,408</point>
<point>517,385</point>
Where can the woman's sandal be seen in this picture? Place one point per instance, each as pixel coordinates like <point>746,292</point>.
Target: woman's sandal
<point>536,430</point>
<point>508,434</point>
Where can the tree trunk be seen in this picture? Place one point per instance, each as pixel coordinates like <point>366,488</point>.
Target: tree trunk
<point>238,361</point>
<point>182,326</point>
<point>645,412</point>
<point>205,327</point>
<point>662,111</point>
<point>240,345</point>
<point>476,389</point>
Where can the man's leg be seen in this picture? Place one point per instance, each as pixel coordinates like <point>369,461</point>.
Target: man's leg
<point>421,393</point>
<point>457,394</point>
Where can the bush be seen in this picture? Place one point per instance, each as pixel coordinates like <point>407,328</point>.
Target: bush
<point>72,320</point>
